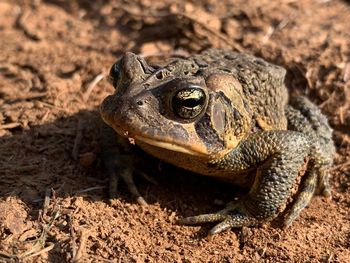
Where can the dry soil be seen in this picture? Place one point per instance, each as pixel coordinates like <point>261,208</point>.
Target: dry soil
<point>54,55</point>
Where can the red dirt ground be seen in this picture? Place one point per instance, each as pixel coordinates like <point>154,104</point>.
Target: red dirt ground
<point>53,196</point>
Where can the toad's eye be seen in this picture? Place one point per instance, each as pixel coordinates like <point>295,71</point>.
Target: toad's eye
<point>115,73</point>
<point>189,102</point>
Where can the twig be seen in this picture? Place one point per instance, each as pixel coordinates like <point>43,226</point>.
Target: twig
<point>49,146</point>
<point>83,238</point>
<point>341,110</point>
<point>272,30</point>
<point>90,189</point>
<point>329,257</point>
<point>73,236</point>
<point>10,126</point>
<point>46,249</point>
<point>46,200</point>
<point>92,85</point>
<point>30,96</point>
<point>346,76</point>
<point>148,178</point>
<point>329,99</point>
<point>51,106</point>
<point>45,116</point>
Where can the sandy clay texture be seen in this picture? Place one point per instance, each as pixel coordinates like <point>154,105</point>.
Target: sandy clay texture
<point>54,57</point>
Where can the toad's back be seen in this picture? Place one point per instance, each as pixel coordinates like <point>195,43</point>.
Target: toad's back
<point>262,84</point>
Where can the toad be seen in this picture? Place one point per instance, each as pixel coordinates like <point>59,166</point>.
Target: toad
<point>227,115</point>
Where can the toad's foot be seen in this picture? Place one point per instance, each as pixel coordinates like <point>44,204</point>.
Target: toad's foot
<point>234,215</point>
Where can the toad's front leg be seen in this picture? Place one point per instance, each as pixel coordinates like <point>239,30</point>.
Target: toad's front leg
<point>278,157</point>
<point>119,161</point>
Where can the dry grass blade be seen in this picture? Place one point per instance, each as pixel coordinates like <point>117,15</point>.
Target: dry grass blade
<point>39,246</point>
<point>91,86</point>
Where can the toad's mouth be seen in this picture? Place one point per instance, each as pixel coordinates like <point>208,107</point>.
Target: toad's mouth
<point>172,146</point>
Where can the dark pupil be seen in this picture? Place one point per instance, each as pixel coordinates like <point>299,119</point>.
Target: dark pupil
<point>192,102</point>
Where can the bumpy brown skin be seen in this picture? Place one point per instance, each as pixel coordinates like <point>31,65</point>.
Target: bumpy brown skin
<point>226,115</point>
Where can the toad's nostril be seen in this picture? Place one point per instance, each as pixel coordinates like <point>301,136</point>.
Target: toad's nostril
<point>159,75</point>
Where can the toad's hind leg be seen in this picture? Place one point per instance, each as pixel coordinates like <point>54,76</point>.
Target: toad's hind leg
<point>278,157</point>
<point>305,117</point>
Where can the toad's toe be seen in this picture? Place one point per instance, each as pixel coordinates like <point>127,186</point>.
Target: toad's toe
<point>230,217</point>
